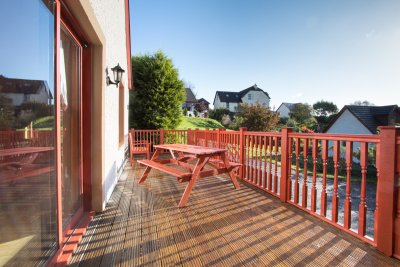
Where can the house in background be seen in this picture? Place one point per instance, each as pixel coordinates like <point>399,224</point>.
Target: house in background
<point>231,100</point>
<point>205,105</point>
<point>22,91</point>
<point>190,102</point>
<point>284,109</point>
<point>363,119</point>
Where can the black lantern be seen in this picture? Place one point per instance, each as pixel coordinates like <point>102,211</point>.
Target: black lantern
<point>117,73</point>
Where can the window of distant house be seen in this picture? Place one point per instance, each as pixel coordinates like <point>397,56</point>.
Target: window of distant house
<point>227,105</point>
<point>249,97</point>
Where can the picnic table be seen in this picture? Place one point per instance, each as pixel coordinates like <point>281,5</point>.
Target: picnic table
<point>192,161</point>
<point>25,166</point>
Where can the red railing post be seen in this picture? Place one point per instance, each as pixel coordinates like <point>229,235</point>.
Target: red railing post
<point>206,133</point>
<point>284,163</point>
<point>189,137</point>
<point>385,208</point>
<point>242,152</point>
<point>218,138</point>
<point>161,136</point>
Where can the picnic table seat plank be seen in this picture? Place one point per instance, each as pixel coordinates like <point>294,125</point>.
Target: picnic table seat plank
<point>167,169</point>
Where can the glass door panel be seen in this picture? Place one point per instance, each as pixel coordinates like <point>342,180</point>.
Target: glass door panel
<point>28,226</point>
<point>70,120</point>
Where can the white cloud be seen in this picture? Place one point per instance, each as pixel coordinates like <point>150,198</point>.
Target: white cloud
<point>297,96</point>
<point>370,34</point>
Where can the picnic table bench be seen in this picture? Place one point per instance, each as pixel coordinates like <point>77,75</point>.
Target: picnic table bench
<point>192,162</point>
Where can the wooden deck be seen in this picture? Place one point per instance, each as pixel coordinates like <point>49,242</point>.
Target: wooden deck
<point>220,226</point>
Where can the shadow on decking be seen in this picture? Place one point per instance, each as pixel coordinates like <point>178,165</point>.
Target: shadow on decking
<point>219,226</point>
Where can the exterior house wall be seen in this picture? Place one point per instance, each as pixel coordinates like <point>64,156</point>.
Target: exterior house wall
<point>283,111</point>
<point>348,124</point>
<point>111,18</point>
<point>256,96</point>
<point>218,104</point>
<point>41,97</point>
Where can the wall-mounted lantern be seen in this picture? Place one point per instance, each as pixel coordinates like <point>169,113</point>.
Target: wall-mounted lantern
<point>117,72</point>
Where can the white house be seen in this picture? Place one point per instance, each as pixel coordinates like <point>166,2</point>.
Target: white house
<point>363,119</point>
<point>23,90</point>
<point>190,102</point>
<point>231,100</point>
<point>284,109</point>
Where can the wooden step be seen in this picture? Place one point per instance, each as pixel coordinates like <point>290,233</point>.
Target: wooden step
<point>182,175</point>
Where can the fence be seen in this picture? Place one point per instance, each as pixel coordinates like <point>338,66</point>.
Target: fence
<point>349,181</point>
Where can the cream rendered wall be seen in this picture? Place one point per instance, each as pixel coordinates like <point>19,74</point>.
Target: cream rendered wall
<point>256,96</point>
<point>111,17</point>
<point>348,124</point>
<point>283,111</point>
<point>218,104</point>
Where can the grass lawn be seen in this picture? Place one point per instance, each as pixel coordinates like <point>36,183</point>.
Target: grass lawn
<point>200,123</point>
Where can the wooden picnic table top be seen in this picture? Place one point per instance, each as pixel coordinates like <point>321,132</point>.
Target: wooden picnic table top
<point>23,150</point>
<point>196,150</point>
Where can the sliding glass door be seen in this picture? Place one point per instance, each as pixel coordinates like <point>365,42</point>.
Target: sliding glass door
<point>71,128</point>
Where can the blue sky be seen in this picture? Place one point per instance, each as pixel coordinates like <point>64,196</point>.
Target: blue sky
<point>296,50</point>
<point>27,49</point>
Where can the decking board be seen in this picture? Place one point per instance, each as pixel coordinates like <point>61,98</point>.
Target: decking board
<point>220,226</point>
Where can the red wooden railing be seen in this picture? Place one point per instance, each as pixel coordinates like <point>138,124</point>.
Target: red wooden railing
<point>349,181</point>
<point>14,139</point>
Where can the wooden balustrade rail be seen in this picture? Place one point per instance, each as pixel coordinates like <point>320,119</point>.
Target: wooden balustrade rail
<point>349,181</point>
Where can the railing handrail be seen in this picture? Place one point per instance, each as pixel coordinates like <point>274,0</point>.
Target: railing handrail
<point>260,154</point>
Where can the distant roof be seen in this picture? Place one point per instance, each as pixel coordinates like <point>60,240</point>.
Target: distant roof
<point>253,88</point>
<point>290,106</point>
<point>22,86</point>
<point>236,97</point>
<point>230,97</point>
<point>370,116</point>
<point>203,100</point>
<point>190,97</point>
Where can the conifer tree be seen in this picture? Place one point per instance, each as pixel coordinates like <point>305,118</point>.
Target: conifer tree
<point>158,94</point>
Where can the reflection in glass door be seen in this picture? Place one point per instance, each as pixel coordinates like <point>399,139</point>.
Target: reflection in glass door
<point>70,125</point>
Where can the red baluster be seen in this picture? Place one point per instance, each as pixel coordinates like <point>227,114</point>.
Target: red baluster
<point>335,196</point>
<point>270,163</point>
<point>276,165</point>
<point>347,200</point>
<point>289,180</point>
<point>260,161</point>
<point>264,185</point>
<point>324,170</point>
<point>305,174</point>
<point>296,181</point>
<point>314,178</point>
<point>362,208</point>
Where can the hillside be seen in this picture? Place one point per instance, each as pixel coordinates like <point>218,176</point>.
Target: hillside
<point>201,123</point>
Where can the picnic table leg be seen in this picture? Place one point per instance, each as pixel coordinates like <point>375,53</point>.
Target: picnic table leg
<point>231,175</point>
<point>199,166</point>
<point>148,168</point>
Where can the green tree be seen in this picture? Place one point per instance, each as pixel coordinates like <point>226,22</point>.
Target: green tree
<point>302,114</point>
<point>324,112</point>
<point>257,118</point>
<point>324,108</point>
<point>218,113</point>
<point>156,101</point>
